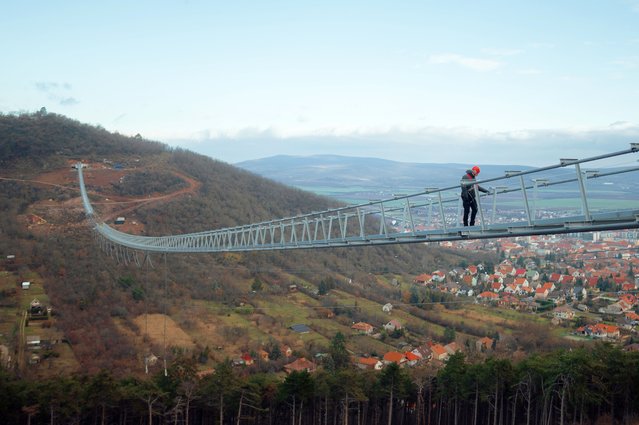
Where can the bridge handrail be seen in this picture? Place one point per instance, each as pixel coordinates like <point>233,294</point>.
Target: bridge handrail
<point>333,224</point>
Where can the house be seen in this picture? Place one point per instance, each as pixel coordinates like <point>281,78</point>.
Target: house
<point>509,300</point>
<point>456,272</point>
<point>363,328</point>
<point>615,308</point>
<point>300,365</point>
<point>247,359</point>
<point>592,281</point>
<point>579,292</point>
<point>438,276</point>
<point>452,348</point>
<point>541,293</point>
<point>394,357</point>
<point>512,289</point>
<point>564,312</point>
<point>496,278</point>
<point>439,352</point>
<point>532,275</point>
<point>286,350</point>
<point>33,342</point>
<point>484,344</point>
<point>629,299</point>
<point>392,326</point>
<point>487,295</point>
<point>600,330</point>
<point>633,317</point>
<point>469,280</point>
<point>497,286</point>
<point>300,328</point>
<point>263,354</point>
<point>387,308</point>
<point>411,358</point>
<point>369,363</point>
<point>423,279</point>
<point>36,308</point>
<point>423,351</point>
<point>556,297</point>
<point>555,277</point>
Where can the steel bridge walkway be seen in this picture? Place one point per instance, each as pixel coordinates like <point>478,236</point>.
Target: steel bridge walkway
<point>547,200</point>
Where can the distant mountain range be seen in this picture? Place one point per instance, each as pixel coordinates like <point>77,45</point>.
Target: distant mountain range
<point>357,179</point>
<point>335,173</point>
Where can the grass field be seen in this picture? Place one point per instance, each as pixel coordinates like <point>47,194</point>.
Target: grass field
<point>15,303</point>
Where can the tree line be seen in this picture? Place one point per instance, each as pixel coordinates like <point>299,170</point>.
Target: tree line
<point>584,385</point>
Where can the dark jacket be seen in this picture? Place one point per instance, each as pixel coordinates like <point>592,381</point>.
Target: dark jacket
<point>467,191</point>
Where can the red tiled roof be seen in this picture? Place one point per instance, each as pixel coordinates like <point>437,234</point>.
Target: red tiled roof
<point>394,356</point>
<point>438,350</point>
<point>300,365</point>
<point>368,361</point>
<point>362,326</point>
<point>411,356</point>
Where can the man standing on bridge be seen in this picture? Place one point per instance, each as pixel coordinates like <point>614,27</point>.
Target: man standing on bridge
<point>468,194</point>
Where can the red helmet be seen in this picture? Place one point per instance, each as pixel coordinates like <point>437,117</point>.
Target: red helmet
<point>476,170</point>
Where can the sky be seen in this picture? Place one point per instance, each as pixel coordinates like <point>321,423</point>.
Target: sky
<point>497,82</point>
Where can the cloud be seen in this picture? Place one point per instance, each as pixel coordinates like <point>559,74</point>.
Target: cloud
<point>501,52</point>
<point>633,4</point>
<point>541,45</point>
<point>532,147</point>
<point>68,101</point>
<point>476,64</point>
<point>57,92</point>
<point>49,86</point>
<point>529,71</point>
<point>630,62</point>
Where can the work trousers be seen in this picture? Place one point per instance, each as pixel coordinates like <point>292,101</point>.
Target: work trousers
<point>470,206</point>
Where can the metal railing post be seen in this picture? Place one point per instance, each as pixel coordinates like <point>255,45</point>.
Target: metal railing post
<point>430,205</point>
<point>383,223</point>
<point>536,196</point>
<point>582,190</point>
<point>523,191</point>
<point>481,212</point>
<point>441,211</point>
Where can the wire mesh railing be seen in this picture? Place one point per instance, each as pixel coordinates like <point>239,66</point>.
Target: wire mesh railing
<point>571,196</point>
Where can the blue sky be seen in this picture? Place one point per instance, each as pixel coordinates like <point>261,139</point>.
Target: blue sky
<point>522,82</point>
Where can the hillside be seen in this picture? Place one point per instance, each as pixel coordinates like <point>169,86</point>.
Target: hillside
<point>355,172</point>
<point>358,180</point>
<point>106,308</point>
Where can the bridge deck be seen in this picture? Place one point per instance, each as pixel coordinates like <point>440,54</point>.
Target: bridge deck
<point>518,209</point>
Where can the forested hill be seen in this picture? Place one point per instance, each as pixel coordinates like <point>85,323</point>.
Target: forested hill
<point>101,307</point>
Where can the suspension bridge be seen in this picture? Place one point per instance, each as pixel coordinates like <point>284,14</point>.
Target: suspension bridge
<point>572,196</point>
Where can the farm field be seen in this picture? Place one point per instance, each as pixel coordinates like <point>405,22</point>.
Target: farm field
<point>15,303</point>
